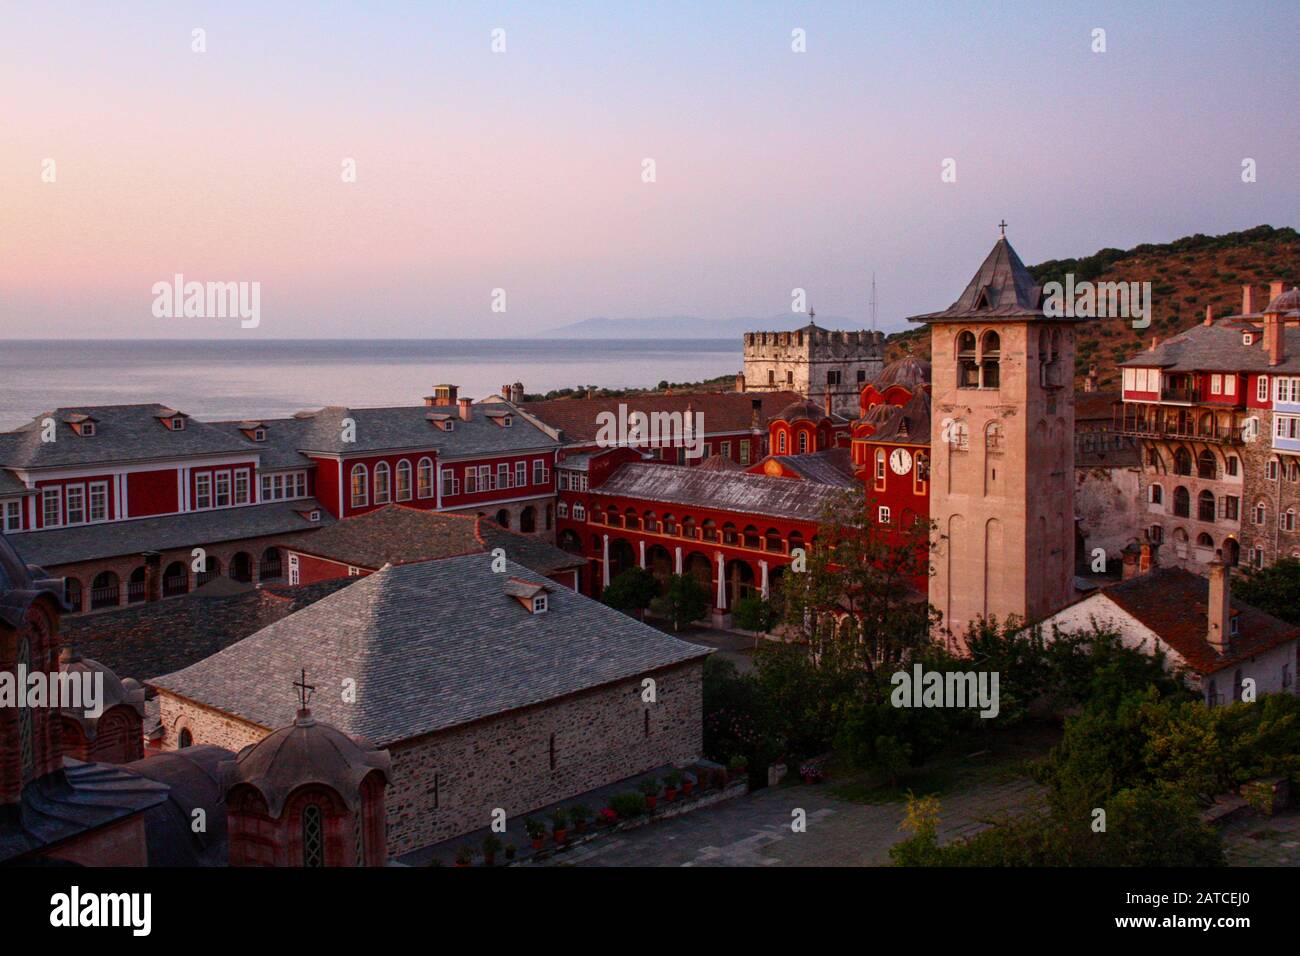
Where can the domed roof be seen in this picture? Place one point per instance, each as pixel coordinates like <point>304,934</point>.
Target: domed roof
<point>306,752</point>
<point>20,584</point>
<point>1286,302</point>
<point>802,410</point>
<point>114,691</point>
<point>908,371</point>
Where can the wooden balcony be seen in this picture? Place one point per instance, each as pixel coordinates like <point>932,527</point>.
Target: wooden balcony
<point>1151,421</point>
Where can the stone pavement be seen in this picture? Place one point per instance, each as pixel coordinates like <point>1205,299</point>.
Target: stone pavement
<point>755,830</point>
<point>1263,841</point>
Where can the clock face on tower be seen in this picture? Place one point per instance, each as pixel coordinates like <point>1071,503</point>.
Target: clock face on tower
<point>900,460</point>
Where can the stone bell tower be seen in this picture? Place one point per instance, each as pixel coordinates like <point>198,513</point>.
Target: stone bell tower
<point>1002,444</point>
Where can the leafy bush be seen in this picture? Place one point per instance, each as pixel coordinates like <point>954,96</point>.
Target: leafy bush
<point>684,600</point>
<point>632,590</point>
<point>754,613</point>
<point>628,805</point>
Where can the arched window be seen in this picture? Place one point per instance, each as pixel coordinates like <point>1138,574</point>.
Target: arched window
<point>1156,495</point>
<point>968,370</point>
<point>503,518</point>
<point>579,513</point>
<point>1286,520</point>
<point>1261,512</point>
<point>990,360</point>
<point>780,443</point>
<point>313,836</point>
<point>880,468</point>
<point>1182,462</point>
<point>921,474</point>
<point>1204,541</point>
<point>382,489</point>
<point>803,441</point>
<point>403,480</point>
<point>185,738</point>
<point>528,520</point>
<point>562,510</point>
<point>360,486</point>
<point>424,479</point>
<point>1205,510</point>
<point>1205,465</point>
<point>1182,502</point>
<point>993,437</point>
<point>670,524</point>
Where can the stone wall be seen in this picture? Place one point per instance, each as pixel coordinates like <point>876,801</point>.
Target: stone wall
<point>800,361</point>
<point>1108,502</point>
<point>449,782</point>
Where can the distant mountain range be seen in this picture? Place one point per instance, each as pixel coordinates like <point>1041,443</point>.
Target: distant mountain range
<point>691,327</point>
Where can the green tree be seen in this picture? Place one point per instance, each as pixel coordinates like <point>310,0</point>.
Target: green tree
<point>1275,589</point>
<point>754,613</point>
<point>631,591</point>
<point>684,600</point>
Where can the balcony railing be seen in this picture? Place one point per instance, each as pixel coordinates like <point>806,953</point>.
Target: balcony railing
<point>1152,424</point>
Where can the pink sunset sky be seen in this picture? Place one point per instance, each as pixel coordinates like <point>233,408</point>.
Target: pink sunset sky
<point>522,170</point>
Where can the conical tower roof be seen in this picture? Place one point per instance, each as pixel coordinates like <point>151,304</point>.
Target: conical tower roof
<point>1001,290</point>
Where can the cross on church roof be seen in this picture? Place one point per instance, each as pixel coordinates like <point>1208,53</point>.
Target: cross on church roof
<point>304,690</point>
<point>1003,226</point>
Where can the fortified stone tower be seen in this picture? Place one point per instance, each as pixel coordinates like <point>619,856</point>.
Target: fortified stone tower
<point>814,362</point>
<point>1002,439</point>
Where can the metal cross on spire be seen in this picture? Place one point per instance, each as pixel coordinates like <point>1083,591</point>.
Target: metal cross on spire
<point>1003,226</point>
<point>304,690</point>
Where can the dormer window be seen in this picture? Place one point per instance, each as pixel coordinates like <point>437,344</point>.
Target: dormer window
<point>1248,338</point>
<point>177,424</point>
<point>87,429</point>
<point>259,434</point>
<point>539,605</point>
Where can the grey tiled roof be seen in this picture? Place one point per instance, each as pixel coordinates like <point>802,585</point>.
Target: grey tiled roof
<point>726,491</point>
<point>832,466</point>
<point>91,542</point>
<point>1218,346</point>
<point>122,433</point>
<point>408,427</point>
<point>430,646</point>
<point>280,450</point>
<point>10,484</point>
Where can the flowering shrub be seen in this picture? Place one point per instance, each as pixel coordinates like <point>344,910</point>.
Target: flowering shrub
<point>811,773</point>
<point>607,817</point>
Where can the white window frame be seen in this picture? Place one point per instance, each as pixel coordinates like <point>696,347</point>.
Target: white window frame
<point>384,487</point>
<point>403,468</point>
<point>241,481</point>
<point>98,491</point>
<point>1261,389</point>
<point>503,475</point>
<point>744,451</point>
<point>221,492</point>
<point>1230,385</point>
<point>362,499</point>
<point>13,516</point>
<point>1216,384</point>
<point>293,568</point>
<point>562,510</point>
<point>521,474</point>
<point>884,514</point>
<point>450,483</point>
<point>485,482</point>
<point>579,512</point>
<point>80,491</point>
<point>539,471</point>
<point>424,478</point>
<point>265,484</point>
<point>203,491</point>
<point>52,517</point>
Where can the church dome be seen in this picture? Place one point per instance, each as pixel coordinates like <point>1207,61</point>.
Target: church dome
<point>1286,302</point>
<point>908,371</point>
<point>803,410</point>
<point>115,691</point>
<point>306,752</point>
<point>21,584</point>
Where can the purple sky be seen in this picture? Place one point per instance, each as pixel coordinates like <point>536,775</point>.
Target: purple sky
<point>522,170</point>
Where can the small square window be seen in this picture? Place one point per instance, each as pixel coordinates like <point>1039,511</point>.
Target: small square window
<point>539,604</point>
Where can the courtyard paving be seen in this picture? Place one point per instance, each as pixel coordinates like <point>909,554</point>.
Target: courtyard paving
<point>1263,841</point>
<point>755,830</point>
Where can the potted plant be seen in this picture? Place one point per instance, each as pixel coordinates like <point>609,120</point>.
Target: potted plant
<point>464,855</point>
<point>536,832</point>
<point>687,785</point>
<point>651,789</point>
<point>738,766</point>
<point>811,773</point>
<point>491,844</point>
<point>559,825</point>
<point>607,817</point>
<point>510,851</point>
<point>580,815</point>
<point>628,805</point>
<point>671,782</point>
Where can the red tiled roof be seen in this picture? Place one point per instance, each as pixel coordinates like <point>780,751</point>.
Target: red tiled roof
<point>722,411</point>
<point>1173,603</point>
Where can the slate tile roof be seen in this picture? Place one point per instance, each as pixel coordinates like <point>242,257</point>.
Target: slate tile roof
<point>146,640</point>
<point>430,646</point>
<point>409,427</point>
<point>1002,288</point>
<point>11,484</point>
<point>831,466</point>
<point>122,433</point>
<point>722,411</point>
<point>740,492</point>
<point>1174,603</point>
<point>279,452</point>
<point>1217,346</point>
<point>92,542</point>
<point>398,534</point>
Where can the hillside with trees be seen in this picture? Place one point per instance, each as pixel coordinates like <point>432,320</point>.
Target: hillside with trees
<point>1186,275</point>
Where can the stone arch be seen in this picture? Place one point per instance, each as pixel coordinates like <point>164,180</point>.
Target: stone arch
<point>528,520</point>
<point>241,567</point>
<point>105,590</point>
<point>176,579</point>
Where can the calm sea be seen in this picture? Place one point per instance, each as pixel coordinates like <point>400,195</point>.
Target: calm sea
<point>213,379</point>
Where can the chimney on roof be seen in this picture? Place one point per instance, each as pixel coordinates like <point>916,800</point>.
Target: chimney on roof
<point>517,392</point>
<point>1220,604</point>
<point>1155,340</point>
<point>1247,299</point>
<point>1146,555</point>
<point>463,405</point>
<point>828,403</point>
<point>1209,315</point>
<point>1090,383</point>
<point>740,382</point>
<point>1274,333</point>
<point>505,392</point>
<point>1130,556</point>
<point>1275,289</point>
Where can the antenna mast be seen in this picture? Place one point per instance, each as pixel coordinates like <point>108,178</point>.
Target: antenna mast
<point>873,302</point>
